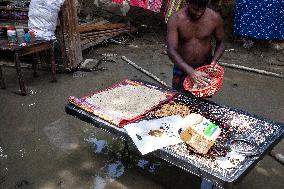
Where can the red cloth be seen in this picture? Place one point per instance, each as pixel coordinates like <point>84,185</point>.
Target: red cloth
<point>118,1</point>
<point>139,3</point>
<point>116,119</point>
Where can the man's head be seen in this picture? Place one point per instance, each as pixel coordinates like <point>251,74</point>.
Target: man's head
<point>196,8</point>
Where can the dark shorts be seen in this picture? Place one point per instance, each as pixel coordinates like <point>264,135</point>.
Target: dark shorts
<point>179,76</point>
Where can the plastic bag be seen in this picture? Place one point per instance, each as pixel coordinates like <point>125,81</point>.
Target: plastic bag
<point>43,16</point>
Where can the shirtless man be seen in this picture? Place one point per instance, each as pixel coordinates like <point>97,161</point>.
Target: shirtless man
<point>189,36</point>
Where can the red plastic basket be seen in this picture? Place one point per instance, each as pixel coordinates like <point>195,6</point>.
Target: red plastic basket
<point>216,74</point>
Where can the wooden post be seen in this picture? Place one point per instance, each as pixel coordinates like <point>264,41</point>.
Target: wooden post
<point>2,81</point>
<point>69,22</point>
<point>61,40</point>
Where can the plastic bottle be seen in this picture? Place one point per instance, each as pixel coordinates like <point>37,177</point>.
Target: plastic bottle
<point>12,35</point>
<point>27,37</point>
<point>20,35</point>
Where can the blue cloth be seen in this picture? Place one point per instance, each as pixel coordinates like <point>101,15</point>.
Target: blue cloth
<point>261,19</point>
<point>27,38</point>
<point>178,78</point>
<point>207,185</point>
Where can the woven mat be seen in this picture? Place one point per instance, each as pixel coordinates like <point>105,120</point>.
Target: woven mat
<point>117,117</point>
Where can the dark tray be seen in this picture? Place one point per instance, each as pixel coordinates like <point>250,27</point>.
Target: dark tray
<point>203,166</point>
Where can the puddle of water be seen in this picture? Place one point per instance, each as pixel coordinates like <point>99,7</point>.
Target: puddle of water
<point>154,167</point>
<point>142,163</point>
<point>99,145</point>
<point>147,165</point>
<point>113,149</point>
<point>99,183</point>
<point>60,135</point>
<point>110,172</point>
<point>115,169</point>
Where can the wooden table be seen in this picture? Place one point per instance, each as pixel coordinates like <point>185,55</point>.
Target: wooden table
<point>29,49</point>
<point>192,163</point>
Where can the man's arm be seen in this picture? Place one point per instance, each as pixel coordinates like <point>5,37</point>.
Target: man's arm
<point>172,44</point>
<point>219,37</point>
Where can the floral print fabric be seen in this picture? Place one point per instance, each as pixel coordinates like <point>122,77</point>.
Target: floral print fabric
<point>261,19</point>
<point>153,5</point>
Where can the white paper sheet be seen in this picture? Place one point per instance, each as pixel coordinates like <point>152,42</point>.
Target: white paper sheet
<point>147,143</point>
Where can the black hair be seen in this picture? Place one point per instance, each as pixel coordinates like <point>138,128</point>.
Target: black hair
<point>199,3</point>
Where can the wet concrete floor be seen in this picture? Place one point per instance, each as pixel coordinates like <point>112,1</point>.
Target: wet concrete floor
<point>41,147</point>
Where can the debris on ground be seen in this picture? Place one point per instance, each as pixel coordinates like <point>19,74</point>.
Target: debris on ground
<point>78,74</point>
<point>247,43</point>
<point>277,156</point>
<point>230,50</point>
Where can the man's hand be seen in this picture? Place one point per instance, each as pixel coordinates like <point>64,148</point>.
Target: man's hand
<point>200,79</point>
<point>213,63</point>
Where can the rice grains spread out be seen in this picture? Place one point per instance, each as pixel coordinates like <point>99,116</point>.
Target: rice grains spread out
<point>127,100</point>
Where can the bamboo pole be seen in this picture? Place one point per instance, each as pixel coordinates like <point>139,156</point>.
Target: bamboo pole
<point>277,156</point>
<point>144,71</point>
<point>251,69</point>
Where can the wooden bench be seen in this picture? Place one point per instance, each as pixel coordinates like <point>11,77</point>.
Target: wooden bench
<point>30,49</point>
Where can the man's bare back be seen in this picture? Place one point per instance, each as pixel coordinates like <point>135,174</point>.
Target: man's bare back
<point>189,36</point>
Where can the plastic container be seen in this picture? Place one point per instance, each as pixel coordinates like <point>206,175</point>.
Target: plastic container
<point>216,80</point>
<point>27,37</point>
<point>3,33</point>
<point>200,133</point>
<point>20,35</point>
<point>12,34</point>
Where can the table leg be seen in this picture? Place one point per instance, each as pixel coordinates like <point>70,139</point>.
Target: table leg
<point>125,154</point>
<point>230,186</point>
<point>2,81</point>
<point>35,60</point>
<point>53,66</point>
<point>20,75</point>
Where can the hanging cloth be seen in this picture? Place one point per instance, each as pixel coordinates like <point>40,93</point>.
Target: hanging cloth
<point>118,1</point>
<point>152,5</point>
<point>172,7</point>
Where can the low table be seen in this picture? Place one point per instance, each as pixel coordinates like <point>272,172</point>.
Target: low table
<point>193,163</point>
<point>19,51</point>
